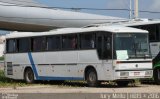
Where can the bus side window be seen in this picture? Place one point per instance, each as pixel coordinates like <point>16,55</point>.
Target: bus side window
<point>39,44</point>
<point>74,42</point>
<point>23,45</point>
<point>87,41</point>
<point>11,46</point>
<point>53,43</point>
<point>69,42</point>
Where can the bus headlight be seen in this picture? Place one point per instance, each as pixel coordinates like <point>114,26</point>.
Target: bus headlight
<point>148,73</point>
<point>126,74</point>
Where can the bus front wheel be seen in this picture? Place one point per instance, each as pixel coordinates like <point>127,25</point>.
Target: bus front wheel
<point>29,76</point>
<point>157,76</point>
<point>91,77</point>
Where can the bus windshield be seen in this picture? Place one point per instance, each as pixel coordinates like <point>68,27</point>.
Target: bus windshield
<point>131,45</point>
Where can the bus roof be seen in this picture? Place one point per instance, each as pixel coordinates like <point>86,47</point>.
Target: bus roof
<point>113,29</point>
<point>138,23</point>
<point>133,22</point>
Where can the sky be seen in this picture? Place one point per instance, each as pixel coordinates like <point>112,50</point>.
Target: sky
<point>149,5</point>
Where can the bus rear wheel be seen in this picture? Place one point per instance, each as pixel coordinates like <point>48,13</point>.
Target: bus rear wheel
<point>157,76</point>
<point>29,76</point>
<point>122,83</point>
<point>91,77</point>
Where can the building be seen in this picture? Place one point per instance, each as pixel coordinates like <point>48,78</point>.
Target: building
<point>2,40</point>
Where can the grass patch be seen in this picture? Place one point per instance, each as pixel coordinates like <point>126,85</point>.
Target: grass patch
<point>6,82</point>
<point>1,58</point>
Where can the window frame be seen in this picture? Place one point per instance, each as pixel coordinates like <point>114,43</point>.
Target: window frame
<point>32,44</point>
<point>77,43</point>
<point>7,46</point>
<point>29,39</point>
<point>60,44</point>
<point>103,34</point>
<point>45,49</point>
<point>94,39</point>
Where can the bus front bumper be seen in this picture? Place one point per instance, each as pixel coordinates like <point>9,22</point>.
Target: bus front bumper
<point>123,74</point>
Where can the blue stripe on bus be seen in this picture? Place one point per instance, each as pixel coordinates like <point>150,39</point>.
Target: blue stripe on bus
<point>59,78</point>
<point>33,65</point>
<point>47,77</point>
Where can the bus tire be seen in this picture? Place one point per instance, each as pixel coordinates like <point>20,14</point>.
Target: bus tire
<point>91,78</point>
<point>29,76</point>
<point>157,76</point>
<point>122,83</point>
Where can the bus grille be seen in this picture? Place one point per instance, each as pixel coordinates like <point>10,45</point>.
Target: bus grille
<point>9,68</point>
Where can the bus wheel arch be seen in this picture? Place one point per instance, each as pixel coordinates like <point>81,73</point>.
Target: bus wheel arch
<point>156,75</point>
<point>91,76</point>
<point>29,75</point>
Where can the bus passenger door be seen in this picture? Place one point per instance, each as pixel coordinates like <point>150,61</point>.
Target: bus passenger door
<point>104,50</point>
<point>104,46</point>
<point>99,46</point>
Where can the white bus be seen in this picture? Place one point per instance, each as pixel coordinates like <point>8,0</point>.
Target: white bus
<point>94,54</point>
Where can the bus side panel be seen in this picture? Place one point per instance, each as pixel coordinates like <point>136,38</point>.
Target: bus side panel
<point>56,65</point>
<point>103,67</point>
<point>105,70</point>
<point>155,48</point>
<point>68,65</point>
<point>18,61</point>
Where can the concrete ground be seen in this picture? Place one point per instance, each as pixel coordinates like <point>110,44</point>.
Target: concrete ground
<point>143,88</point>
